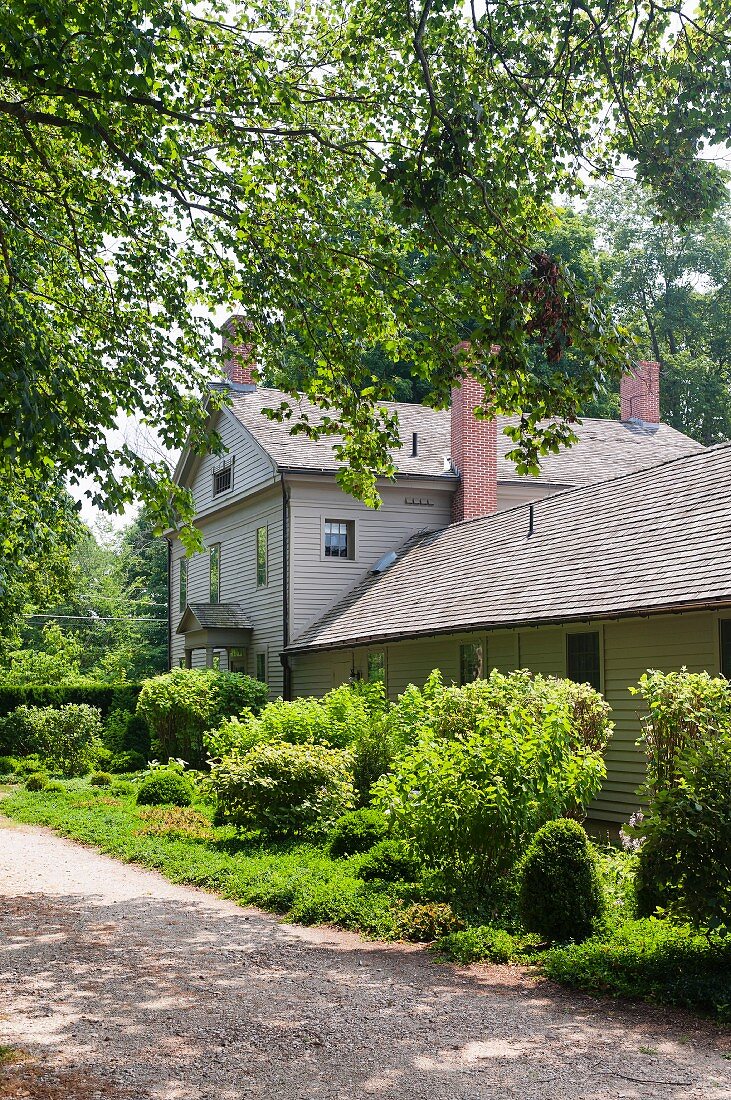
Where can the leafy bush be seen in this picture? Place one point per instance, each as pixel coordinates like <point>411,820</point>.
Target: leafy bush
<point>7,765</point>
<point>357,831</point>
<point>165,787</point>
<point>130,761</point>
<point>100,779</point>
<point>102,758</point>
<point>284,789</point>
<point>181,705</point>
<point>36,781</point>
<point>560,893</point>
<point>54,787</point>
<point>423,922</point>
<point>483,944</point>
<point>685,859</point>
<point>493,761</point>
<point>684,708</point>
<point>125,731</point>
<point>29,764</point>
<point>390,861</point>
<point>121,788</point>
<point>373,753</point>
<point>66,738</point>
<point>336,719</point>
<point>654,959</point>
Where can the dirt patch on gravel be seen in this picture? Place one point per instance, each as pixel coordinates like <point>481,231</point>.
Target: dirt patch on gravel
<point>119,984</point>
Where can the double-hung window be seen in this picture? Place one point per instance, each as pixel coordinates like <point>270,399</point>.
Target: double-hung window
<point>470,662</point>
<point>339,538</point>
<point>726,648</point>
<point>377,666</point>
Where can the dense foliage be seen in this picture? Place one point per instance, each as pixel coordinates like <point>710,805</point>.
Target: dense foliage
<point>356,831</point>
<point>181,705</point>
<point>106,697</point>
<point>560,892</point>
<point>67,738</point>
<point>284,789</point>
<point>488,765</point>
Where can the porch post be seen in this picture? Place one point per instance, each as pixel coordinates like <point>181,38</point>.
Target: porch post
<point>209,656</point>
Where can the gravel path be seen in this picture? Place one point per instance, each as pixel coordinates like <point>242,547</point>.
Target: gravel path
<point>117,984</point>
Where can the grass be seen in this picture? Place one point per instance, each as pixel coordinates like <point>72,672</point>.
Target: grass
<point>640,959</point>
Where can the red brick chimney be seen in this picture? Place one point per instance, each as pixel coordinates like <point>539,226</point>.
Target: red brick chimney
<point>239,361</point>
<point>474,454</point>
<point>640,393</point>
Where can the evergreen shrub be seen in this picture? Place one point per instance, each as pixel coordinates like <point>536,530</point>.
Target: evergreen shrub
<point>100,779</point>
<point>36,781</point>
<point>560,892</point>
<point>390,861</point>
<point>165,787</point>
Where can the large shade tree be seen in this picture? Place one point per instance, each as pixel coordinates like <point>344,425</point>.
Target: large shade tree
<point>159,159</point>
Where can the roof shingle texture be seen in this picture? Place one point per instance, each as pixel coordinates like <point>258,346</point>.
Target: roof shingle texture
<point>605,448</point>
<point>213,616</point>
<point>643,542</point>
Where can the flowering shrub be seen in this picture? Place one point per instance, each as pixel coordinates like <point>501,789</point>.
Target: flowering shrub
<point>486,765</point>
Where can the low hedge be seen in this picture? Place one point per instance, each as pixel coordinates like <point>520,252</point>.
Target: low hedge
<point>105,697</point>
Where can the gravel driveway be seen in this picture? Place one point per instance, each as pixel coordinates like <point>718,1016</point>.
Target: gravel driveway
<point>117,984</point>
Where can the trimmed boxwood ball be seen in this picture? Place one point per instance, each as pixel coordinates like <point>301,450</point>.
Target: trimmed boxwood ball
<point>391,861</point>
<point>165,787</point>
<point>560,895</point>
<point>100,779</point>
<point>357,831</point>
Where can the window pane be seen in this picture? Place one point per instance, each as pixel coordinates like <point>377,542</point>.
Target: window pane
<point>470,663</point>
<point>582,658</point>
<point>337,539</point>
<point>261,667</point>
<point>261,557</point>
<point>221,480</point>
<point>726,648</point>
<point>377,666</point>
<point>183,583</point>
<point>215,568</point>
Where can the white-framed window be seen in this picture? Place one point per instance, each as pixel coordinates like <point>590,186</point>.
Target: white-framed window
<point>215,572</point>
<point>338,539</point>
<point>183,585</point>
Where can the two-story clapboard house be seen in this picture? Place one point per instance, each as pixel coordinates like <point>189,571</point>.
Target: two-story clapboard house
<point>613,560</point>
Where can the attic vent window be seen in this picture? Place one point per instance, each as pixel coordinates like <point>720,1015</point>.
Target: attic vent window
<point>222,479</point>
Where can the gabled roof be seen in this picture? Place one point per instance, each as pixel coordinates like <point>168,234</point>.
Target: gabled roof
<point>605,447</point>
<point>650,541</point>
<point>214,616</point>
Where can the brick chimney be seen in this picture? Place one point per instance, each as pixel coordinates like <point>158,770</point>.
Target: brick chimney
<point>640,393</point>
<point>239,361</point>
<point>474,454</point>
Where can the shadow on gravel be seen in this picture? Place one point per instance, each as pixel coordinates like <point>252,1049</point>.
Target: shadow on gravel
<point>154,997</point>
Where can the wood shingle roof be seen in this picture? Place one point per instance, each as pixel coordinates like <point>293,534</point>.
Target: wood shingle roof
<point>604,449</point>
<point>649,541</point>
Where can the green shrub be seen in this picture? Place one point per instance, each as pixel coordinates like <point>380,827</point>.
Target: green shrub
<point>66,738</point>
<point>102,758</point>
<point>391,861</point>
<point>181,705</point>
<point>284,789</point>
<point>423,922</point>
<point>129,761</point>
<point>125,731</point>
<point>54,787</point>
<point>357,831</point>
<point>560,893</point>
<point>685,859</point>
<point>36,781</point>
<point>28,764</point>
<point>164,787</point>
<point>100,779</point>
<point>653,959</point>
<point>493,761</point>
<point>482,943</point>
<point>7,765</point>
<point>373,753</point>
<point>122,788</point>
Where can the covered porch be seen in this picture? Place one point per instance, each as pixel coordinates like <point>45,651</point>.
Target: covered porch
<point>213,628</point>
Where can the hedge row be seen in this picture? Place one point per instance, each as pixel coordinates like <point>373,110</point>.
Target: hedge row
<point>107,697</point>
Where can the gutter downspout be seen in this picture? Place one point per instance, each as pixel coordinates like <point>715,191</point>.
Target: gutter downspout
<point>284,657</point>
